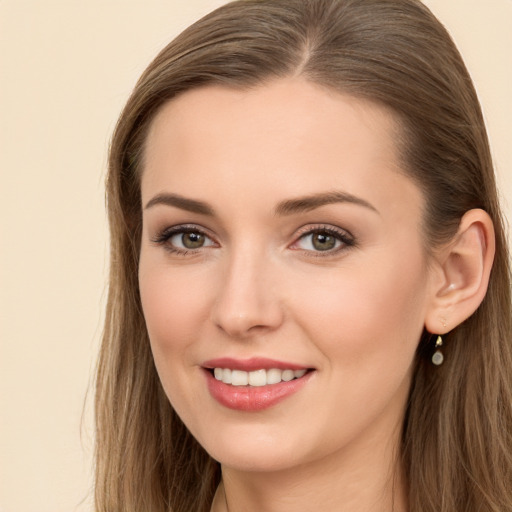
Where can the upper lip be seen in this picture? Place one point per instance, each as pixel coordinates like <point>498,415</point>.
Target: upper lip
<point>252,364</point>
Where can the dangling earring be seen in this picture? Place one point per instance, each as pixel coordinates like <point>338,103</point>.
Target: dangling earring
<point>437,357</point>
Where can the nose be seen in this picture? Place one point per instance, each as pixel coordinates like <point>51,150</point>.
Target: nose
<point>247,301</point>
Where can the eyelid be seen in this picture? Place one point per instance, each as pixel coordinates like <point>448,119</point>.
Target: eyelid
<point>164,235</point>
<point>347,240</point>
<point>345,237</point>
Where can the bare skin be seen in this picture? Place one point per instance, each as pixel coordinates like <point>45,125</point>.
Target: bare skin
<point>277,225</point>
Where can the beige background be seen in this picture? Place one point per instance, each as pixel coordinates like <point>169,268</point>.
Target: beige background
<point>66,68</point>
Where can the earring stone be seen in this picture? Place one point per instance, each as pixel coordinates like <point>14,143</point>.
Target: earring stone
<point>438,357</point>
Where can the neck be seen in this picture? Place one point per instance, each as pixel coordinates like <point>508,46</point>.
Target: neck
<point>357,480</point>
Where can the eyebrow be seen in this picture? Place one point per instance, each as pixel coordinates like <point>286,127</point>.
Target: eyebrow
<point>190,205</point>
<point>307,203</point>
<point>287,207</point>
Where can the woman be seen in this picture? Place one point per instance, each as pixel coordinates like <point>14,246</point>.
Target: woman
<point>309,303</point>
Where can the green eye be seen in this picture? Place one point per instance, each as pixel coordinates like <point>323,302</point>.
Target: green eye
<point>322,241</point>
<point>192,240</point>
<point>183,239</point>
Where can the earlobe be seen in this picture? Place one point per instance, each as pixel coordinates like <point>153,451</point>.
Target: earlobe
<point>465,266</point>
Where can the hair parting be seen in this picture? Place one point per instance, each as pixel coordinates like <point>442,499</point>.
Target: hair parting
<point>394,53</point>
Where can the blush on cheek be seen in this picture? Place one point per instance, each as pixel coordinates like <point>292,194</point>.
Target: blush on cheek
<point>365,314</point>
<point>171,305</point>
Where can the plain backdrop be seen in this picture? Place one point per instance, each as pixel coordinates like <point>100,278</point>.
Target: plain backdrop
<point>66,69</point>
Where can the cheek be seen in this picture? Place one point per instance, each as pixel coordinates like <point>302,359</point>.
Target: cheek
<point>175,307</point>
<point>370,310</point>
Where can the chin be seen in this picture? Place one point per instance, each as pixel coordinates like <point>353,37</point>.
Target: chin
<point>265,448</point>
<point>253,449</point>
<point>257,461</point>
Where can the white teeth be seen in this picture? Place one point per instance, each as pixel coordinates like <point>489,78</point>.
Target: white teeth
<point>274,376</point>
<point>239,378</point>
<point>287,375</point>
<point>226,376</point>
<point>256,378</point>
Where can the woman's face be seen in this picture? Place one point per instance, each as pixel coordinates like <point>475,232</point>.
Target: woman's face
<point>281,241</point>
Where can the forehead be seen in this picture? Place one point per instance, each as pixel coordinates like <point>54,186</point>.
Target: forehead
<point>288,137</point>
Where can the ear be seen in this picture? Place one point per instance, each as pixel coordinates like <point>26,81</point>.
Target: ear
<point>461,273</point>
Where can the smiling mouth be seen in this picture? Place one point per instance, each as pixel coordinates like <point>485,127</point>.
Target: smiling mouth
<point>253,385</point>
<point>256,378</point>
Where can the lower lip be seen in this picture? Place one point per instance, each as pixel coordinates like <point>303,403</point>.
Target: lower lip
<point>253,398</point>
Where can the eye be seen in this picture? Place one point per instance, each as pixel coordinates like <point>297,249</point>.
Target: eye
<point>181,239</point>
<point>190,240</point>
<point>323,240</point>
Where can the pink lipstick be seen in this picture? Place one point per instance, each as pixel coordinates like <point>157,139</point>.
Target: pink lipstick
<point>253,384</point>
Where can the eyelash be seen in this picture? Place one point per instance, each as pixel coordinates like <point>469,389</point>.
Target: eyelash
<point>163,238</point>
<point>346,240</point>
<point>344,237</point>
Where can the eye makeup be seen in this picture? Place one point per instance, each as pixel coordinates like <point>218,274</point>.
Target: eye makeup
<point>320,240</point>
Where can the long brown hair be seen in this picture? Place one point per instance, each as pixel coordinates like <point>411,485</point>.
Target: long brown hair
<point>457,433</point>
